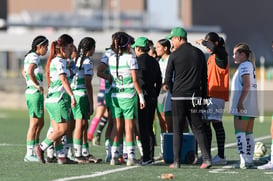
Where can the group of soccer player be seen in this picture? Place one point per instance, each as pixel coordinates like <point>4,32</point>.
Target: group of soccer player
<point>133,87</point>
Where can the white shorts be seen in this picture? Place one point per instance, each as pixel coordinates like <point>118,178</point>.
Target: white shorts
<point>215,109</point>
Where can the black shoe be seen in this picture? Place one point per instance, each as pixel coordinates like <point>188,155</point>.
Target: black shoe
<point>65,160</point>
<point>51,160</point>
<point>81,159</point>
<point>93,159</point>
<point>146,163</point>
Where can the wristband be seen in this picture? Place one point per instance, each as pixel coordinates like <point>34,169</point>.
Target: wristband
<point>38,87</point>
<point>141,98</point>
<point>72,97</point>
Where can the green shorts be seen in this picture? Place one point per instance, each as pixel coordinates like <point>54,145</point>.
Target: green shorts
<point>58,110</point>
<point>160,109</point>
<point>108,100</point>
<point>35,104</point>
<point>81,109</point>
<point>124,108</point>
<point>243,118</point>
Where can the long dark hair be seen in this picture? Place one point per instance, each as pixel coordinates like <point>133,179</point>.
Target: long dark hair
<point>121,42</point>
<point>214,37</point>
<point>38,40</point>
<point>85,45</point>
<point>165,43</point>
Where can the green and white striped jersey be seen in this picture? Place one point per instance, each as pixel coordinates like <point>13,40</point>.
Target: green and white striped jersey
<point>56,90</point>
<point>122,86</point>
<point>33,58</point>
<point>78,81</point>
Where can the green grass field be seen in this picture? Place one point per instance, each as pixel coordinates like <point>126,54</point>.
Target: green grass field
<point>13,128</point>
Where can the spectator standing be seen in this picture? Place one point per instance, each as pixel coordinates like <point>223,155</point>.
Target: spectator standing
<point>218,91</point>
<point>149,78</point>
<point>243,103</point>
<point>186,78</point>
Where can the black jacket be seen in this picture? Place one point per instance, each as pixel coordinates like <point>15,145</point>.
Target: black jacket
<point>149,75</point>
<point>188,65</point>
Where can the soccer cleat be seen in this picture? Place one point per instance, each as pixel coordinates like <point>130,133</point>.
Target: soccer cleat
<point>245,166</point>
<point>146,163</point>
<point>218,161</point>
<point>205,165</point>
<point>159,157</point>
<point>40,154</point>
<point>30,158</point>
<point>51,160</point>
<point>81,159</point>
<point>250,166</point>
<point>267,166</point>
<point>130,162</point>
<point>240,166</point>
<point>96,141</point>
<point>114,161</point>
<point>65,160</point>
<point>93,159</point>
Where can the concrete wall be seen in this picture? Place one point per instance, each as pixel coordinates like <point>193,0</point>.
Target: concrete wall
<point>242,21</point>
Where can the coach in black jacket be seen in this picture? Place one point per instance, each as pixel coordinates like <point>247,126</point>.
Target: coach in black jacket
<point>149,79</point>
<point>188,65</point>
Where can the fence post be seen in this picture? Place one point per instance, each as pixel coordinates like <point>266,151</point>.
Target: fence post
<point>262,60</point>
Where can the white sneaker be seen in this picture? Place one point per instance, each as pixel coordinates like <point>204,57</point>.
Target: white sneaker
<point>130,162</point>
<point>267,166</point>
<point>30,158</point>
<point>219,161</point>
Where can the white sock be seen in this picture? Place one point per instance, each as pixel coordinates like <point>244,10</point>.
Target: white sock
<point>114,151</point>
<point>30,149</point>
<point>250,147</point>
<point>85,151</point>
<point>131,151</point>
<point>107,147</point>
<point>77,150</point>
<point>50,151</point>
<point>241,146</point>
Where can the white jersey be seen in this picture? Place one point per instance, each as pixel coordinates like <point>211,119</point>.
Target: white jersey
<point>78,81</point>
<point>56,90</point>
<point>251,102</point>
<point>163,66</point>
<point>122,85</point>
<point>33,58</point>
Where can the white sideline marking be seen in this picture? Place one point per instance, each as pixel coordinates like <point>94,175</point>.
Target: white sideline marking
<point>6,144</point>
<point>96,174</point>
<point>268,173</point>
<point>220,170</point>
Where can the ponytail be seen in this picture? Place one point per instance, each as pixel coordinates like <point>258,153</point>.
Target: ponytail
<point>52,54</point>
<point>85,45</point>
<point>252,59</point>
